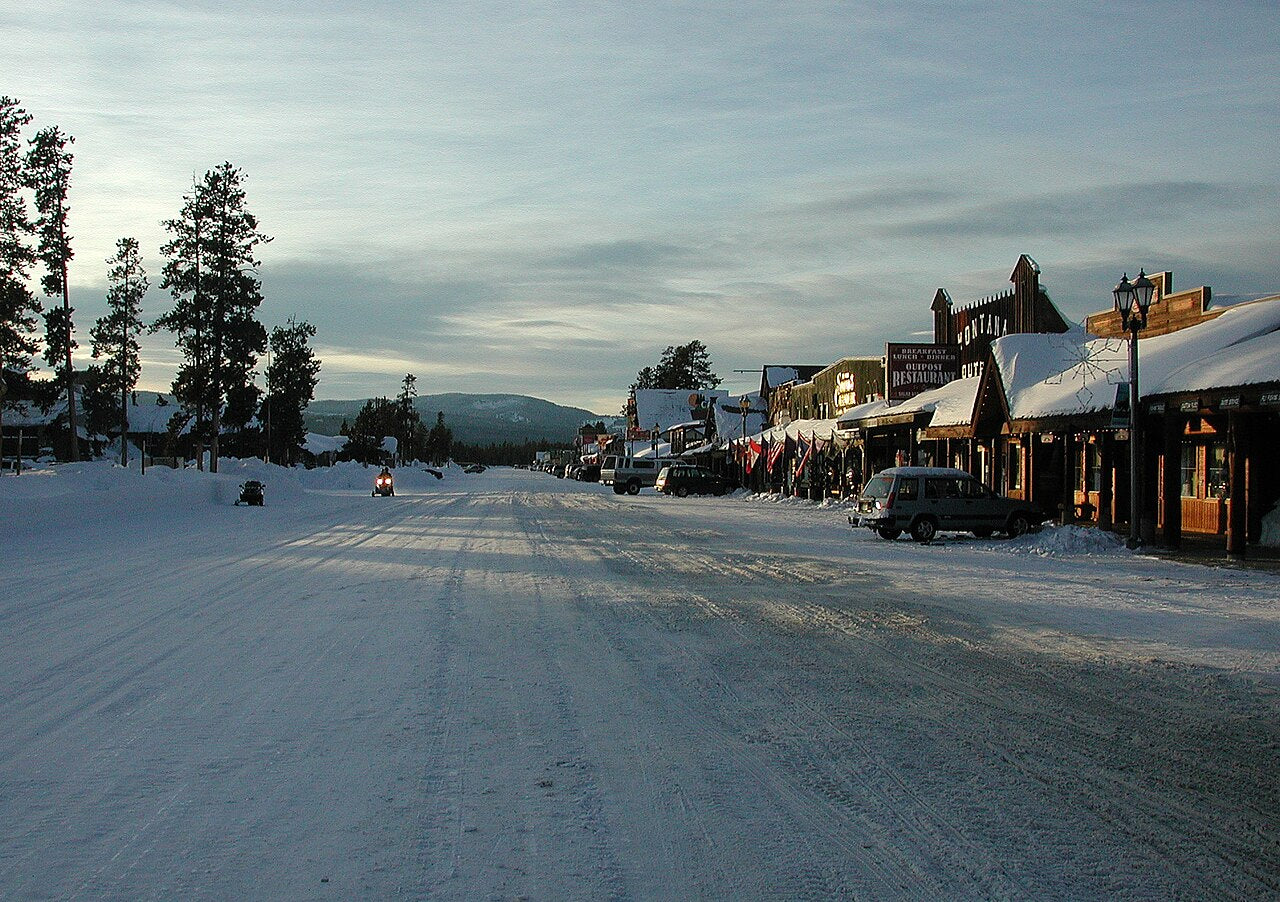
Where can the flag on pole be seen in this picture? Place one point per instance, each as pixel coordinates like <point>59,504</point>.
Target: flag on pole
<point>775,452</point>
<point>805,448</point>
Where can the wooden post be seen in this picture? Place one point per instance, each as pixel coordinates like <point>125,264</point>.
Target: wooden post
<point>1068,502</point>
<point>1237,520</point>
<point>1172,489</point>
<point>1106,491</point>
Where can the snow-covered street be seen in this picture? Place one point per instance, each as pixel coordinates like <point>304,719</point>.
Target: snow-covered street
<point>511,686</point>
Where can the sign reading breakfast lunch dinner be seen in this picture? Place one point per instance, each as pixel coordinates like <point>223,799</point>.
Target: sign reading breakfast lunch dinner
<point>913,368</point>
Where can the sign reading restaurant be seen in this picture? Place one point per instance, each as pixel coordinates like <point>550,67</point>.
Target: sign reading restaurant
<point>913,368</point>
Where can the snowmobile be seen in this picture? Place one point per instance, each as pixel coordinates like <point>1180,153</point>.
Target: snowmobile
<point>384,484</point>
<point>251,493</point>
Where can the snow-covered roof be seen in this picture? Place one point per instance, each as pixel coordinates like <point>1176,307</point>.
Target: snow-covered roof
<point>645,449</point>
<point>27,415</point>
<point>669,407</point>
<point>729,416</point>
<point>950,404</point>
<point>315,443</point>
<point>823,429</point>
<point>863,411</point>
<point>1074,373</point>
<point>1250,361</point>
<point>147,413</point>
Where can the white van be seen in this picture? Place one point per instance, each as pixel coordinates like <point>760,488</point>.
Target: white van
<point>630,474</point>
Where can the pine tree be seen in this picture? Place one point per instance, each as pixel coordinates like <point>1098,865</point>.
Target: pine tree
<point>49,175</point>
<point>115,336</point>
<point>375,421</point>
<point>291,383</point>
<point>409,421</point>
<point>18,306</point>
<point>684,367</point>
<point>212,274</point>
<point>439,441</point>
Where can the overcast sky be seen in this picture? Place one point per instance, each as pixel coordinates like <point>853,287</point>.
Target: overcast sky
<point>539,198</point>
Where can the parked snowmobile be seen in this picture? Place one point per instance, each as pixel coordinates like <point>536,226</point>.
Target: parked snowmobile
<point>252,493</point>
<point>384,484</point>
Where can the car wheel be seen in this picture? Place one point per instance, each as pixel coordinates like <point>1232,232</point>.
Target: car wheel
<point>983,533</point>
<point>633,488</point>
<point>682,492</point>
<point>1019,524</point>
<point>924,530</point>
<point>888,533</point>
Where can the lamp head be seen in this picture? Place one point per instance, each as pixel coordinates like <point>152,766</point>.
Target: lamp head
<point>1144,290</point>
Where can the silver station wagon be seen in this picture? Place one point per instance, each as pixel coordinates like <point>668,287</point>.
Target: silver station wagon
<point>925,501</point>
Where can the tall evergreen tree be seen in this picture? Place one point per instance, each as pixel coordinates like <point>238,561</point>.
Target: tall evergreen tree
<point>439,441</point>
<point>18,306</point>
<point>685,367</point>
<point>115,336</point>
<point>409,421</point>
<point>688,366</point>
<point>49,175</point>
<point>212,274</point>
<point>291,384</point>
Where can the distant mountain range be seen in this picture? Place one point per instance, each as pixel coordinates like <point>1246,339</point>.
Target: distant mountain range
<point>474,419</point>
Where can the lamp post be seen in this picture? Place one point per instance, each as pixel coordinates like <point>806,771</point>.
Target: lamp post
<point>1133,300</point>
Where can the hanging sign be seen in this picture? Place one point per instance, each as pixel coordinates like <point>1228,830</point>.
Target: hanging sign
<point>1120,418</point>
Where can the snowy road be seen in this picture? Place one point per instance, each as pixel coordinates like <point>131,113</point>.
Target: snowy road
<point>513,686</point>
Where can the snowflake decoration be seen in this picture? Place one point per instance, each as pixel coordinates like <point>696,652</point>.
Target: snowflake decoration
<point>1090,362</point>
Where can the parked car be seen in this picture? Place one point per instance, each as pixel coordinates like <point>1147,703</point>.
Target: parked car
<point>587,473</point>
<point>688,479</point>
<point>630,474</point>
<point>927,500</point>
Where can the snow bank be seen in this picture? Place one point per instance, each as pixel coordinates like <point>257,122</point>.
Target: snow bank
<point>1057,541</point>
<point>1271,529</point>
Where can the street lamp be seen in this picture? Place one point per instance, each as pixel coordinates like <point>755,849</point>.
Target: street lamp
<point>1133,300</point>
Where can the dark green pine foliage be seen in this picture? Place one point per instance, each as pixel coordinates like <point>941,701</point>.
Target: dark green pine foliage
<point>439,441</point>
<point>291,384</point>
<point>19,308</point>
<point>409,431</point>
<point>49,176</point>
<point>684,367</point>
<point>115,343</point>
<point>378,419</point>
<point>211,271</point>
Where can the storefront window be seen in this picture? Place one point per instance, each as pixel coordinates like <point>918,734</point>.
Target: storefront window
<point>1190,472</point>
<point>1093,454</point>
<point>1217,476</point>
<point>1015,466</point>
<point>1078,470</point>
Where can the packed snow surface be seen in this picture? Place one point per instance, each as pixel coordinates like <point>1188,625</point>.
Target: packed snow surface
<point>505,685</point>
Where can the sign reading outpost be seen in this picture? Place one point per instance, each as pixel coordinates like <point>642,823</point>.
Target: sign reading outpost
<point>913,368</point>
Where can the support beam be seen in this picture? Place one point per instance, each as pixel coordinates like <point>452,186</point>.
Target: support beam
<point>1107,466</point>
<point>1172,488</point>
<point>1237,519</point>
